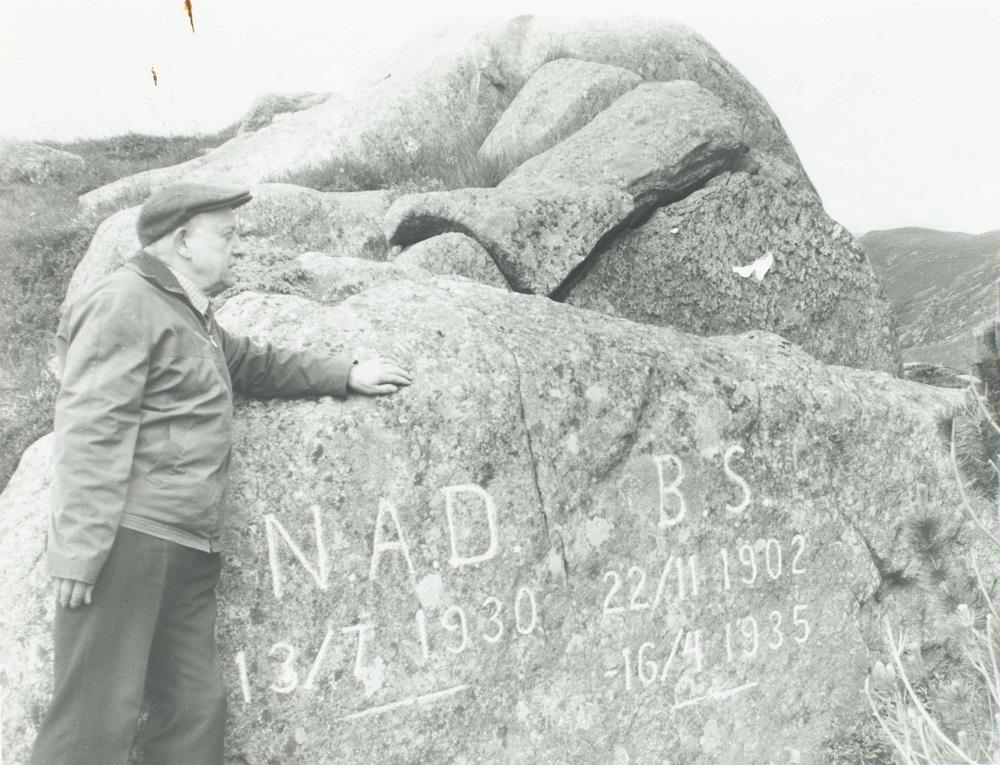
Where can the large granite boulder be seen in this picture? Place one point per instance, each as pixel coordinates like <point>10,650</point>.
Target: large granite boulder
<point>456,254</point>
<point>685,267</point>
<point>536,236</point>
<point>573,539</point>
<point>280,223</point>
<point>560,98</point>
<point>450,87</point>
<point>656,143</point>
<point>24,162</point>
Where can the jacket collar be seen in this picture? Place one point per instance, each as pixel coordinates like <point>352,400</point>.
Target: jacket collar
<point>155,270</point>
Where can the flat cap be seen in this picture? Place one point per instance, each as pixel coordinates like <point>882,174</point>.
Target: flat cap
<point>175,204</point>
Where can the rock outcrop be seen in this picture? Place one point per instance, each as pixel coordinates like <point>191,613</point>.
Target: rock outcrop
<point>454,254</point>
<point>560,98</point>
<point>656,143</point>
<point>682,268</point>
<point>574,538</point>
<point>24,162</point>
<point>589,531</point>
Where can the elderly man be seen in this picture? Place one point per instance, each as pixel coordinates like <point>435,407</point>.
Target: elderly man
<point>143,437</point>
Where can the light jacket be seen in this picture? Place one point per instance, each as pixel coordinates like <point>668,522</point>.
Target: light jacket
<point>143,419</point>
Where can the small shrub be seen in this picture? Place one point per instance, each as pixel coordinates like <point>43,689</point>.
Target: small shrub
<point>950,713</point>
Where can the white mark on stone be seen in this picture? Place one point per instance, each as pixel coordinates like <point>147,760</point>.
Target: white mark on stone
<point>758,269</point>
<point>736,450</point>
<point>429,591</point>
<point>716,696</point>
<point>288,679</point>
<point>241,665</point>
<point>320,656</point>
<point>457,560</point>
<point>387,511</point>
<point>320,573</point>
<point>360,671</point>
<point>427,698</point>
<point>572,444</point>
<point>596,394</point>
<point>673,490</point>
<point>598,531</point>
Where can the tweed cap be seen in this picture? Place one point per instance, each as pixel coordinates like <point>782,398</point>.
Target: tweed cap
<point>175,204</point>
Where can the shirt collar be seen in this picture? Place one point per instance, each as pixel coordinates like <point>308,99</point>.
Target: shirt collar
<point>198,298</point>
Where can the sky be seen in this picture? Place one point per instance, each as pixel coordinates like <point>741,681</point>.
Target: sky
<point>892,105</point>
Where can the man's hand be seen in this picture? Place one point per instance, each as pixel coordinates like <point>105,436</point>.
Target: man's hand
<point>71,593</point>
<point>377,376</point>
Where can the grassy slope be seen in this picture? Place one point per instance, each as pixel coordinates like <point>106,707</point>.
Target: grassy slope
<point>941,284</point>
<point>43,235</point>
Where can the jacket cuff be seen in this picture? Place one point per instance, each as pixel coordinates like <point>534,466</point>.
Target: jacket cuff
<point>65,567</point>
<point>340,370</point>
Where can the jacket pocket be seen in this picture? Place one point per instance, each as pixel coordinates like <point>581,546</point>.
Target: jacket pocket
<point>168,461</point>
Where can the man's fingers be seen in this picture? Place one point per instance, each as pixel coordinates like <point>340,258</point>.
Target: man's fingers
<point>63,589</point>
<point>71,593</point>
<point>385,389</point>
<point>395,379</point>
<point>76,598</point>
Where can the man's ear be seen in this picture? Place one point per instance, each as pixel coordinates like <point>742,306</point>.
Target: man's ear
<point>179,239</point>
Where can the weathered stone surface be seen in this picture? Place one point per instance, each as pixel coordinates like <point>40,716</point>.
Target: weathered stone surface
<point>455,82</point>
<point>279,223</point>
<point>25,162</point>
<point>560,98</point>
<point>677,270</point>
<point>658,142</point>
<point>573,539</point>
<point>661,140</point>
<point>454,254</point>
<point>333,279</point>
<point>264,109</point>
<point>535,235</point>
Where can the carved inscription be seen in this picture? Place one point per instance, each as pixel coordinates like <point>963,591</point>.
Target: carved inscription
<point>673,588</point>
<point>677,588</point>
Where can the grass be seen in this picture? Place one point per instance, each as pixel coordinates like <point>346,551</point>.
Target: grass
<point>950,712</point>
<point>408,168</point>
<point>108,159</point>
<point>44,233</point>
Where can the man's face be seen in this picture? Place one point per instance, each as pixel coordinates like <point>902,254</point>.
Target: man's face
<point>212,240</point>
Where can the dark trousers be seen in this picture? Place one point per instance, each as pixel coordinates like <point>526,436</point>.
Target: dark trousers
<point>150,628</point>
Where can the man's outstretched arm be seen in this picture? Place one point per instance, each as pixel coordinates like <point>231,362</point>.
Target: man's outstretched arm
<point>261,369</point>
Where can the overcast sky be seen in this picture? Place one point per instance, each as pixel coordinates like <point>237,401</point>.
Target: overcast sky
<point>892,105</point>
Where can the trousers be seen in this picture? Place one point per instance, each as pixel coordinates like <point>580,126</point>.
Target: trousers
<point>148,632</point>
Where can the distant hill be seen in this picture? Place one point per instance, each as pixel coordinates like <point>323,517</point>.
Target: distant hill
<point>942,285</point>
